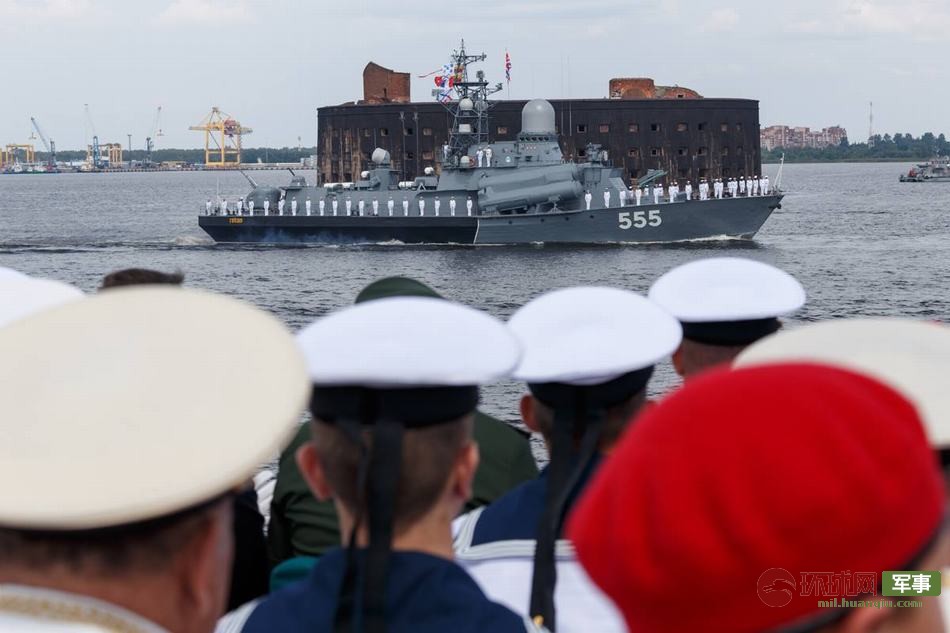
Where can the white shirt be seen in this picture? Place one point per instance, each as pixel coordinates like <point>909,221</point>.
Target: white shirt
<point>36,610</point>
<point>504,569</point>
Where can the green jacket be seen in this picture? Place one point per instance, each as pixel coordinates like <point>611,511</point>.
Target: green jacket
<point>300,525</point>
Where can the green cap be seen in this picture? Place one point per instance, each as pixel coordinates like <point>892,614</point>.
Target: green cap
<point>395,287</point>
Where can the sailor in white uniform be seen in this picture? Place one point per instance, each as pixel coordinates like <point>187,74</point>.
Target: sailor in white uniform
<point>468,205</point>
<point>389,205</point>
<point>293,207</point>
<point>689,191</point>
<point>488,155</point>
<point>422,206</point>
<point>480,156</point>
<point>437,204</point>
<point>452,206</point>
<point>657,192</point>
<point>336,204</point>
<point>674,190</point>
<point>587,199</point>
<point>638,194</point>
<point>266,207</point>
<point>322,205</point>
<point>623,197</point>
<point>223,206</point>
<point>585,383</point>
<point>250,207</point>
<point>375,207</point>
<point>309,206</point>
<point>361,207</point>
<point>766,187</point>
<point>724,304</point>
<point>280,207</point>
<point>607,199</point>
<point>134,539</point>
<point>405,206</point>
<point>742,186</point>
<point>349,206</point>
<point>208,206</point>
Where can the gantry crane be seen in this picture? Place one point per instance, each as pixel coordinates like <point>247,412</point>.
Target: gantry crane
<point>222,138</point>
<point>155,133</point>
<point>93,153</point>
<point>50,146</point>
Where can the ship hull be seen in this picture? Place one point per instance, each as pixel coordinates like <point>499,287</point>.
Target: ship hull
<point>667,222</point>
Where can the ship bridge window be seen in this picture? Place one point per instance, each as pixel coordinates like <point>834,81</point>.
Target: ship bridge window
<point>682,151</point>
<point>384,131</point>
<point>655,151</point>
<point>633,128</point>
<point>502,130</point>
<point>581,127</point>
<point>604,128</point>
<point>654,127</point>
<point>410,131</point>
<point>682,127</point>
<point>427,131</point>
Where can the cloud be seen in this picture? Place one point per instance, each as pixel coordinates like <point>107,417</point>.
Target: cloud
<point>916,19</point>
<point>721,20</point>
<point>45,9</point>
<point>205,12</point>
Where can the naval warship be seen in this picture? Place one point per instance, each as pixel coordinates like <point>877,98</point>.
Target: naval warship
<point>512,192</point>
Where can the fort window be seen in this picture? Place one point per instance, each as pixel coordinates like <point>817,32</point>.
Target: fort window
<point>348,177</point>
<point>633,128</point>
<point>684,173</point>
<point>654,127</point>
<point>682,127</point>
<point>701,127</point>
<point>410,156</point>
<point>633,152</point>
<point>682,151</point>
<point>725,151</point>
<point>738,127</point>
<point>427,155</point>
<point>739,151</point>
<point>726,171</point>
<point>581,127</point>
<point>723,127</point>
<point>502,130</point>
<point>703,172</point>
<point>427,131</point>
<point>384,131</point>
<point>634,173</point>
<point>680,95</point>
<point>703,151</point>
<point>410,131</point>
<point>655,151</point>
<point>604,128</point>
<point>582,153</point>
<point>335,176</point>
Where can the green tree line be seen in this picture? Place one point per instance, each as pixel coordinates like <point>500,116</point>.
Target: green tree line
<point>900,147</point>
<point>197,156</point>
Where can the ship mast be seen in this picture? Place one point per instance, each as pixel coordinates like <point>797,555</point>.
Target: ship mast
<point>470,106</point>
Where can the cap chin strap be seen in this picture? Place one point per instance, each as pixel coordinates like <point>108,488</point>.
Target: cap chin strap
<point>563,480</point>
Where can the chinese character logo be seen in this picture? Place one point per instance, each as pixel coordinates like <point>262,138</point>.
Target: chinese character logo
<point>776,587</point>
<point>911,583</point>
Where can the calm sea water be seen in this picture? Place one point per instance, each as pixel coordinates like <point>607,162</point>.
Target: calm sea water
<point>860,242</point>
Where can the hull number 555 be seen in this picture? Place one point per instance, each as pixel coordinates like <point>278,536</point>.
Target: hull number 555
<point>639,219</point>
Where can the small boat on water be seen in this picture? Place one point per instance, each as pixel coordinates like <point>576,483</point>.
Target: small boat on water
<point>935,170</point>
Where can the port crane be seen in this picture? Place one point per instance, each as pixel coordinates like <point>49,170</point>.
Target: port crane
<point>49,144</point>
<point>93,153</point>
<point>156,132</point>
<point>222,138</point>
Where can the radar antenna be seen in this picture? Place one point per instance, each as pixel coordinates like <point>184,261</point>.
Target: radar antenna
<point>466,102</point>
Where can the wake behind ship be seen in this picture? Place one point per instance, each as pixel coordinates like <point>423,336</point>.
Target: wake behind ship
<point>513,192</point>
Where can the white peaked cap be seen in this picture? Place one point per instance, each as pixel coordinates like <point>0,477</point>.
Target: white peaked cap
<point>590,335</point>
<point>22,296</point>
<point>727,289</point>
<point>408,342</point>
<point>139,403</point>
<point>912,357</point>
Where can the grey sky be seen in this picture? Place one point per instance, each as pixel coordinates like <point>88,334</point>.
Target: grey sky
<point>271,64</point>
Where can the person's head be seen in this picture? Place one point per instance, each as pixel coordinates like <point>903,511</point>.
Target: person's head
<point>724,304</point>
<point>137,276</point>
<point>138,514</point>
<point>753,482</point>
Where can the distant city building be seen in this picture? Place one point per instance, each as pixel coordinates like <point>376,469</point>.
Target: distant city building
<point>784,137</point>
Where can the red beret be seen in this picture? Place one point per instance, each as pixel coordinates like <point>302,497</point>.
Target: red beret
<point>801,467</point>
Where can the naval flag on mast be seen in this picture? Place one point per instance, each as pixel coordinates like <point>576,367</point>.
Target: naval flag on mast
<point>507,66</point>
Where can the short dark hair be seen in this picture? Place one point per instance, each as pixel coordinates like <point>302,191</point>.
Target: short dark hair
<point>139,547</point>
<point>702,356</point>
<point>136,276</point>
<point>428,455</point>
<point>618,417</point>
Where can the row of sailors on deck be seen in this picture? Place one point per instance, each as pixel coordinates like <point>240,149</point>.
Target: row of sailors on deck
<point>241,207</point>
<point>783,454</point>
<point>717,188</point>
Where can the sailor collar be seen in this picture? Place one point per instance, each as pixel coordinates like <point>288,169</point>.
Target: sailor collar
<point>51,606</point>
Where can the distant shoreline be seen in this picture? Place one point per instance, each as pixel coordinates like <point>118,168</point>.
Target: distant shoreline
<point>817,161</point>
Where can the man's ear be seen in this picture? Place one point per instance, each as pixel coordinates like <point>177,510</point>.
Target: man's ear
<point>311,468</point>
<point>529,413</point>
<point>465,466</point>
<point>678,361</point>
<point>205,563</point>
